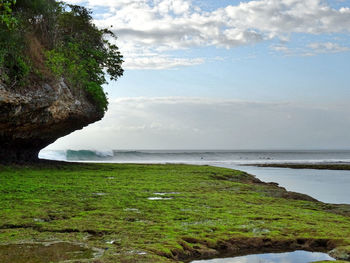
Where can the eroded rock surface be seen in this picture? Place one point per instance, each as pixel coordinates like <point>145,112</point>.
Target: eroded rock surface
<point>32,118</point>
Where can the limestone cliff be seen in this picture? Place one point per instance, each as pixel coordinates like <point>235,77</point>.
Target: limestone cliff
<point>32,118</point>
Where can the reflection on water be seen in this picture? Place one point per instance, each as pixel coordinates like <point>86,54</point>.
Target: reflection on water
<point>159,198</point>
<point>330,186</point>
<point>291,257</point>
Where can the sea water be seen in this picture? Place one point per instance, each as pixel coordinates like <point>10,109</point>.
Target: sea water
<point>198,156</point>
<point>325,185</point>
<point>329,186</point>
<point>290,257</point>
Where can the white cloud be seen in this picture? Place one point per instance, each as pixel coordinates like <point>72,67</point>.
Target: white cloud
<point>310,49</point>
<point>281,48</point>
<point>159,62</point>
<point>327,47</point>
<point>197,123</point>
<point>158,25</point>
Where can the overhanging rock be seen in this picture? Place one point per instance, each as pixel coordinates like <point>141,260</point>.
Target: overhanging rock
<point>33,117</point>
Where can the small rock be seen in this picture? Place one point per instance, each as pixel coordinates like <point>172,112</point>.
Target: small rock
<point>342,253</point>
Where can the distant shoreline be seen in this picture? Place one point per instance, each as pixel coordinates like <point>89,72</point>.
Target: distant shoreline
<point>319,166</point>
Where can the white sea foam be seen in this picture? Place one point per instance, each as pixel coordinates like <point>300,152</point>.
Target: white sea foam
<point>58,155</point>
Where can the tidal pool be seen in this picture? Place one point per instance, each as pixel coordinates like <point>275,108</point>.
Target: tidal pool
<point>329,186</point>
<point>298,256</point>
<point>43,252</point>
<point>159,198</point>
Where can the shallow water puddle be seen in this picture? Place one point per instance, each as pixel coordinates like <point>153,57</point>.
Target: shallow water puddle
<point>159,198</point>
<point>43,253</point>
<point>99,194</point>
<point>162,196</point>
<point>290,257</point>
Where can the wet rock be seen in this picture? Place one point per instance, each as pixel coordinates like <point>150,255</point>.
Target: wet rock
<point>342,253</point>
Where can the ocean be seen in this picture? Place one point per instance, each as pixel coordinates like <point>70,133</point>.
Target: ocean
<point>325,185</point>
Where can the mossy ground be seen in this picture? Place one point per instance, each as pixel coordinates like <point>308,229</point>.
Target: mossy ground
<point>107,206</point>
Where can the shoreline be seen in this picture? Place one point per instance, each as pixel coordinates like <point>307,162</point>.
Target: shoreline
<point>208,212</point>
<point>317,166</point>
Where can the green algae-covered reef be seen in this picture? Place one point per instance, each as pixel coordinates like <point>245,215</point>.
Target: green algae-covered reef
<point>156,213</point>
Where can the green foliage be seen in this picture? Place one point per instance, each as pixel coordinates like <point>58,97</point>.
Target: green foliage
<point>72,46</point>
<point>14,64</point>
<point>20,20</point>
<point>81,68</point>
<point>29,8</point>
<point>96,92</point>
<point>6,17</point>
<point>11,59</point>
<point>82,54</point>
<point>19,69</point>
<point>56,62</point>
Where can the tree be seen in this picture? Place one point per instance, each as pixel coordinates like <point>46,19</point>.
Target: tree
<point>69,44</point>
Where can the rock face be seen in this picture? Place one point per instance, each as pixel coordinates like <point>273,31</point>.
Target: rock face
<point>32,118</point>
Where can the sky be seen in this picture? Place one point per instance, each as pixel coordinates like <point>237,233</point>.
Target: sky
<point>224,74</point>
